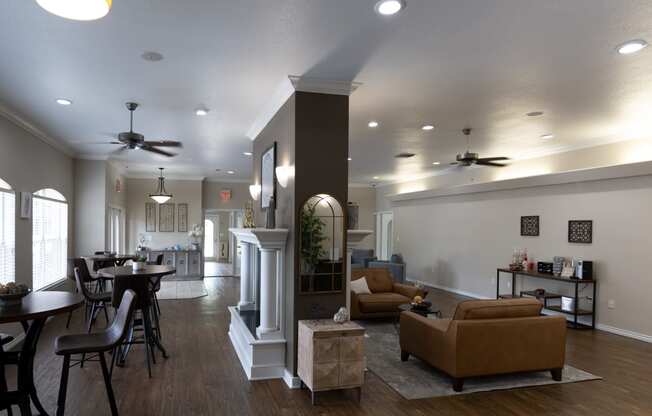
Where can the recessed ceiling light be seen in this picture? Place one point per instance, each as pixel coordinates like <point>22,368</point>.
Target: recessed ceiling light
<point>389,7</point>
<point>152,56</point>
<point>63,101</point>
<point>631,46</point>
<point>77,9</point>
<point>376,177</point>
<point>436,163</point>
<point>373,124</point>
<point>427,127</point>
<point>349,159</point>
<point>230,172</point>
<point>202,111</point>
<point>534,113</point>
<point>547,136</point>
<point>404,155</point>
<point>247,153</point>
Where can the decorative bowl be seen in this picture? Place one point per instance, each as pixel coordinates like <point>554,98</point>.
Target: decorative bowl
<point>424,305</point>
<point>7,299</point>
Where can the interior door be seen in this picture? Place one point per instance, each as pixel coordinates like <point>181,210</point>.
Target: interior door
<point>116,230</point>
<point>210,238</point>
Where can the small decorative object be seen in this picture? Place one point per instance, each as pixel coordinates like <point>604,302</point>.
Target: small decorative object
<point>12,294</point>
<point>118,185</point>
<point>150,216</point>
<point>270,214</point>
<point>580,231</point>
<point>25,205</point>
<point>557,265</point>
<point>539,292</point>
<point>248,220</point>
<point>267,176</point>
<point>139,263</point>
<point>166,218</point>
<point>568,270</point>
<point>195,235</point>
<point>419,303</point>
<point>341,316</point>
<point>225,195</point>
<point>183,218</point>
<point>352,215</point>
<point>530,226</point>
<point>544,267</point>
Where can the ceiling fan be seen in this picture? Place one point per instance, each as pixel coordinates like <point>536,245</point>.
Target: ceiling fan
<point>468,158</point>
<point>131,140</point>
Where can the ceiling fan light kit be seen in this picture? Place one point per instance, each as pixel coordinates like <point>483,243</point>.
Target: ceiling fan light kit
<point>77,9</point>
<point>161,196</point>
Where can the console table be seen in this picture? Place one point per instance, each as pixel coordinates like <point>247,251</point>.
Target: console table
<point>575,313</point>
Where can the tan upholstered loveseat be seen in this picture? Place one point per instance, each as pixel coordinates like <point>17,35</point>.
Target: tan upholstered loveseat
<point>487,337</point>
<point>385,297</point>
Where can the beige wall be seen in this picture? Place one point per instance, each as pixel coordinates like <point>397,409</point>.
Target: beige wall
<point>183,191</point>
<point>90,203</point>
<point>211,195</point>
<point>366,200</point>
<point>29,164</point>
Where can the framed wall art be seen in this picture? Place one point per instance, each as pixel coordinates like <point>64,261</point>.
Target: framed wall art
<point>25,205</point>
<point>530,226</point>
<point>150,216</point>
<point>183,218</point>
<point>267,176</point>
<point>166,218</point>
<point>580,231</point>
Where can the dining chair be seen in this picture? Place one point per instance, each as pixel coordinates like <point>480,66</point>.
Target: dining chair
<point>87,278</point>
<point>142,323</point>
<point>96,301</point>
<point>157,286</point>
<point>6,358</point>
<point>97,343</point>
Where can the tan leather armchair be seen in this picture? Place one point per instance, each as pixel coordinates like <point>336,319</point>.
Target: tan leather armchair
<point>487,337</point>
<point>385,297</point>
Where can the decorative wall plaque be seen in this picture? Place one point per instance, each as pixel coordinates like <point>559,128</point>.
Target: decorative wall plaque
<point>150,216</point>
<point>166,218</point>
<point>183,218</point>
<point>530,226</point>
<point>580,231</point>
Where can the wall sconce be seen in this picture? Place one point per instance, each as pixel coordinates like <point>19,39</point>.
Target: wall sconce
<point>254,190</point>
<point>283,174</point>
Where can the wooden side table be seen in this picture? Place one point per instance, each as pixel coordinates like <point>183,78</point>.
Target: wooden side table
<point>331,356</point>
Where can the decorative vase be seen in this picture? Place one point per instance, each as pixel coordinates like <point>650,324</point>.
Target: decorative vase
<point>352,215</point>
<point>270,214</point>
<point>341,316</point>
<point>138,265</point>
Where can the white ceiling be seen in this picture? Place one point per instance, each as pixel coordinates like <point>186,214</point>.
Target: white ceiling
<point>478,63</point>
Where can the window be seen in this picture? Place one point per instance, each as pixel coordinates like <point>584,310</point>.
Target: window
<point>49,237</point>
<point>7,233</point>
<point>116,233</point>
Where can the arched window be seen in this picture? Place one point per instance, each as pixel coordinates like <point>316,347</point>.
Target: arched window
<point>49,237</point>
<point>7,233</point>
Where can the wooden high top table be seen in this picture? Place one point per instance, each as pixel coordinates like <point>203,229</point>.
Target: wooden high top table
<point>118,259</point>
<point>35,307</point>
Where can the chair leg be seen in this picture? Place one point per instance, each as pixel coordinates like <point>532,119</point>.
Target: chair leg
<point>106,313</point>
<point>61,402</point>
<point>556,374</point>
<point>107,383</point>
<point>69,318</point>
<point>458,384</point>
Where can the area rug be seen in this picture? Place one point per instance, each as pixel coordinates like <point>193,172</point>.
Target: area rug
<point>415,379</point>
<point>190,289</point>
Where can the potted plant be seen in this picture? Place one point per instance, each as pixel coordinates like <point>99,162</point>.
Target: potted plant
<point>139,263</point>
<point>195,235</point>
<point>312,235</point>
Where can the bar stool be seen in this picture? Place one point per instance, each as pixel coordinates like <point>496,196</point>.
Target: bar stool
<point>156,287</point>
<point>99,343</point>
<point>96,301</point>
<point>87,278</point>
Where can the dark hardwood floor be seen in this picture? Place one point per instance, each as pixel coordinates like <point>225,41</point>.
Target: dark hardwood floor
<point>203,376</point>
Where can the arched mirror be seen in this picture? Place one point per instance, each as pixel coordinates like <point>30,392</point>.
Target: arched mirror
<point>321,246</point>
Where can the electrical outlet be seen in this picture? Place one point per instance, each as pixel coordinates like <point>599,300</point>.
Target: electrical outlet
<point>611,304</point>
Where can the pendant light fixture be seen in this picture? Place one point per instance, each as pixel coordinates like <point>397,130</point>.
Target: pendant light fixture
<point>77,9</point>
<point>161,196</point>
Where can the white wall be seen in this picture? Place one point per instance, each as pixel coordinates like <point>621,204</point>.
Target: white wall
<point>458,242</point>
<point>366,200</point>
<point>183,191</point>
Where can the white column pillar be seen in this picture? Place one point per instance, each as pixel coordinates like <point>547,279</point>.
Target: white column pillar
<point>246,277</point>
<point>268,323</point>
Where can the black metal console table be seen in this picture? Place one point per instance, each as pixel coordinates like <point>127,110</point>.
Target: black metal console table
<point>577,311</point>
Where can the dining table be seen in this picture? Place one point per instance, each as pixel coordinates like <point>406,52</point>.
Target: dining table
<point>116,259</point>
<point>32,312</point>
<point>153,273</point>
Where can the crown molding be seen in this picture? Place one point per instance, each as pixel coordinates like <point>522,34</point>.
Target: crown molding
<point>219,180</point>
<point>154,175</point>
<point>285,90</point>
<point>35,131</point>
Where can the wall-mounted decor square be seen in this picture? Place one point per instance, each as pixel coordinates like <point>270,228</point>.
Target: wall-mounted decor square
<point>166,218</point>
<point>580,231</point>
<point>150,216</point>
<point>530,226</point>
<point>183,218</point>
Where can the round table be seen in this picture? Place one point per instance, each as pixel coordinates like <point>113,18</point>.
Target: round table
<point>118,259</point>
<point>147,272</point>
<point>35,307</point>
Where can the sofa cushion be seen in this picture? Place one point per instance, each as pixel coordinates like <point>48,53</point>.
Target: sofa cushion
<point>497,309</point>
<point>381,302</point>
<point>378,280</point>
<point>359,286</point>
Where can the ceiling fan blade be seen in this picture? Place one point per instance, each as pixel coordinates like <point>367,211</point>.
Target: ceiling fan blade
<point>85,142</point>
<point>163,143</point>
<point>155,150</point>
<point>488,163</point>
<point>492,159</point>
<point>119,150</point>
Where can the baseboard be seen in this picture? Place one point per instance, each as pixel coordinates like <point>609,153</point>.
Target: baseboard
<point>602,327</point>
<point>292,382</point>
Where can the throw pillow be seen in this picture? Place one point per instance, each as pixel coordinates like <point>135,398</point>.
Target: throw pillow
<point>360,287</point>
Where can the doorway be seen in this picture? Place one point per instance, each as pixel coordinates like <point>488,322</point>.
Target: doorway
<point>384,234</point>
<point>221,251</point>
<point>210,238</point>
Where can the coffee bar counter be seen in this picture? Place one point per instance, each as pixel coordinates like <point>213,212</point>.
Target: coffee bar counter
<point>189,263</point>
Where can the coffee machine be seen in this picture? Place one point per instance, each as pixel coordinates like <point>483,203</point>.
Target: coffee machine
<point>584,269</point>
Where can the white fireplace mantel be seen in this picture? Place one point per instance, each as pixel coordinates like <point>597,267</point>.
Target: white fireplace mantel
<point>262,237</point>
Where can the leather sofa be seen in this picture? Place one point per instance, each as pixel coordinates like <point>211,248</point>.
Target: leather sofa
<point>487,337</point>
<point>385,297</point>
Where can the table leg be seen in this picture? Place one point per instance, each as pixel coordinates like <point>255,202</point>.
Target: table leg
<point>26,364</point>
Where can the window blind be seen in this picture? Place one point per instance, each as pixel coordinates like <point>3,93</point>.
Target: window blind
<point>7,237</point>
<point>49,241</point>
